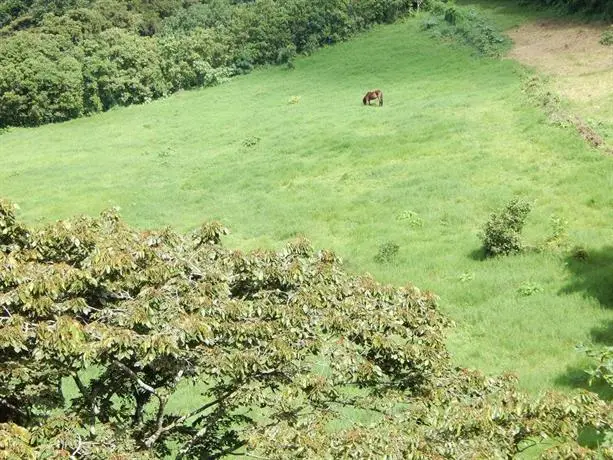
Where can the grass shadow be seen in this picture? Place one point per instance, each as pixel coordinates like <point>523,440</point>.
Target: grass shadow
<point>575,377</point>
<point>592,275</point>
<point>478,254</point>
<point>603,335</point>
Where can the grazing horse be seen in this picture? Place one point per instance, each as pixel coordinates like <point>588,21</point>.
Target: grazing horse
<point>372,95</point>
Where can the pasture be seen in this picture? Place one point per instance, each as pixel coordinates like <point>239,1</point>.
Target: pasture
<point>280,153</point>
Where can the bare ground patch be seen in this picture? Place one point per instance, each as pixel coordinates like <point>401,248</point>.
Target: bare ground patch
<point>579,67</point>
<point>570,52</point>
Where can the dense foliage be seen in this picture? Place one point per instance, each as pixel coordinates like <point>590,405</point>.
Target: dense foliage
<point>66,58</point>
<point>501,234</point>
<point>279,352</point>
<point>598,8</point>
<point>446,20</point>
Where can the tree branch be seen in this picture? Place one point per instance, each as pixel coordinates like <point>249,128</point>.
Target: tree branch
<point>7,311</point>
<point>159,421</point>
<point>161,430</point>
<point>73,456</point>
<point>136,378</point>
<point>162,400</point>
<point>79,383</point>
<point>160,415</point>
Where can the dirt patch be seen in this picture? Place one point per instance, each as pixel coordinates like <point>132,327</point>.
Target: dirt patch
<point>580,69</point>
<point>571,53</point>
<point>589,134</point>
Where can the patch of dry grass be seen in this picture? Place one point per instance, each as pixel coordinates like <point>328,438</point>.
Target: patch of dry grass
<point>581,68</point>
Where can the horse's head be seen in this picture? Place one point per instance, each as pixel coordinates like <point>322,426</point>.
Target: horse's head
<point>364,99</point>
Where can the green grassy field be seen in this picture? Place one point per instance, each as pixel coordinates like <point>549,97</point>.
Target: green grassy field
<point>455,140</point>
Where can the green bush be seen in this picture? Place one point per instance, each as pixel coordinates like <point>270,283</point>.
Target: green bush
<point>606,38</point>
<point>121,69</point>
<point>200,58</point>
<point>387,252</point>
<point>465,25</point>
<point>41,80</point>
<point>207,15</point>
<point>501,233</point>
<point>600,9</point>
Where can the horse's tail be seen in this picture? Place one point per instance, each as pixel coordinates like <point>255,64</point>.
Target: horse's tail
<point>364,99</point>
<point>381,98</point>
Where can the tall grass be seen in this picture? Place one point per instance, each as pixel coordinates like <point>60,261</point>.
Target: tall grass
<point>285,152</point>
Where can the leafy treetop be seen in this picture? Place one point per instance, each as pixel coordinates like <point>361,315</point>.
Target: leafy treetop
<point>279,351</point>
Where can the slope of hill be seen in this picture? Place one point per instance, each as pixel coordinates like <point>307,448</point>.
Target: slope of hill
<point>281,152</point>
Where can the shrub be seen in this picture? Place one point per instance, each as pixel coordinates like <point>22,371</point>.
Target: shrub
<point>606,38</point>
<point>41,80</point>
<point>558,239</point>
<point>465,25</point>
<point>529,288</point>
<point>121,69</point>
<point>501,233</point>
<point>387,252</point>
<point>200,58</point>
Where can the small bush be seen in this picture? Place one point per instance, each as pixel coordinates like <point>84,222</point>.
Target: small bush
<point>606,38</point>
<point>387,252</point>
<point>466,276</point>
<point>251,141</point>
<point>451,15</point>
<point>529,288</point>
<point>559,234</point>
<point>411,217</point>
<point>501,233</point>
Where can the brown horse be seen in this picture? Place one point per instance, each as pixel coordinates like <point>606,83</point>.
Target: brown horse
<point>372,95</point>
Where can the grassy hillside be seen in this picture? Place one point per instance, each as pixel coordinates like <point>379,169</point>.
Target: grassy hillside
<point>279,153</point>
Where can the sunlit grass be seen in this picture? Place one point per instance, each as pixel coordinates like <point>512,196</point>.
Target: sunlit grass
<point>279,153</point>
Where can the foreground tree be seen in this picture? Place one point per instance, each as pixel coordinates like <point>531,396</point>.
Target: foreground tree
<point>105,329</point>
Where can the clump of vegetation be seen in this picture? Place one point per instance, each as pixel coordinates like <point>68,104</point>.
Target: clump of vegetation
<point>387,252</point>
<point>603,371</point>
<point>501,235</point>
<point>410,217</point>
<point>606,38</point>
<point>134,318</point>
<point>558,239</point>
<point>286,56</point>
<point>539,93</point>
<point>529,288</point>
<point>452,21</point>
<point>294,100</point>
<point>251,141</point>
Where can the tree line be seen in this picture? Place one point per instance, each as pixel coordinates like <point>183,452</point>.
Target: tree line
<point>63,59</point>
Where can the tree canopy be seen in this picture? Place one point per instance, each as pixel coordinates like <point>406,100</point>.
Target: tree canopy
<point>104,327</point>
